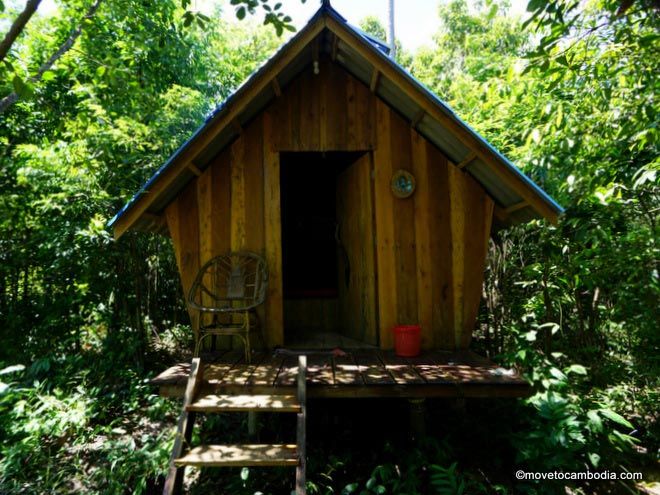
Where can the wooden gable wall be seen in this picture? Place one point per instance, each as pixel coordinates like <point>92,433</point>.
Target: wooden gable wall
<point>430,249</point>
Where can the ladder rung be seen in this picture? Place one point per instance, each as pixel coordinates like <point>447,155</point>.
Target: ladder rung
<point>245,403</point>
<point>240,455</point>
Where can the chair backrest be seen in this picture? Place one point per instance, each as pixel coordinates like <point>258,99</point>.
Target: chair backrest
<point>235,281</point>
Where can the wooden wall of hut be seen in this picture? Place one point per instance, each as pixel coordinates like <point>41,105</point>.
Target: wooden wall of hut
<point>429,249</point>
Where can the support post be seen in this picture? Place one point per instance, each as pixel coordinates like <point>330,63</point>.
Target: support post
<point>417,418</point>
<point>252,425</point>
<point>301,429</point>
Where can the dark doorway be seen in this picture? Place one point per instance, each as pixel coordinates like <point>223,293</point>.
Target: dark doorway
<point>314,261</point>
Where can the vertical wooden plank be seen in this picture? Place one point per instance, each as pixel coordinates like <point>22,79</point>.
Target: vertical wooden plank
<point>237,163</point>
<point>441,250</point>
<point>189,241</point>
<point>309,106</point>
<point>384,214</point>
<point>293,97</point>
<point>357,293</point>
<point>205,213</point>
<point>279,112</point>
<point>353,118</point>
<point>172,218</point>
<point>368,290</point>
<point>479,214</point>
<point>404,226</point>
<point>254,195</point>
<point>254,187</point>
<point>335,123</point>
<point>322,95</point>
<point>423,226</point>
<point>457,194</point>
<point>189,235</point>
<point>301,428</point>
<point>220,202</point>
<point>274,322</point>
<point>366,107</point>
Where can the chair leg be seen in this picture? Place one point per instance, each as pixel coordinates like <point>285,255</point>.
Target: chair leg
<point>248,351</point>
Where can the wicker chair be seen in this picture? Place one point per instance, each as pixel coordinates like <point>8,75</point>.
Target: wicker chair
<point>226,291</point>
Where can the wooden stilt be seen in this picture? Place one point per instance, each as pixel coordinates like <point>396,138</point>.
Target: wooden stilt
<point>417,418</point>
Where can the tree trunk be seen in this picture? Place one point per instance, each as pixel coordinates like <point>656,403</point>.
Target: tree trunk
<point>17,27</point>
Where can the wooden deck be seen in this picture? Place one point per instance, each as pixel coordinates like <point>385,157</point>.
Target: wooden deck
<point>361,373</point>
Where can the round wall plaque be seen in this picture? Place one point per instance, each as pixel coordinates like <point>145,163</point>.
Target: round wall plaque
<point>403,184</point>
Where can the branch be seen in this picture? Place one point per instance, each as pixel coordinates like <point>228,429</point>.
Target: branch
<point>17,27</point>
<point>12,98</point>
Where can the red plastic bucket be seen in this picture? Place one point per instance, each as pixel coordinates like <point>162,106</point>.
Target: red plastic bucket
<point>407,340</point>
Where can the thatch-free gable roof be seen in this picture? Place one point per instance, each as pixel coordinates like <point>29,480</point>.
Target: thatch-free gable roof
<point>517,197</point>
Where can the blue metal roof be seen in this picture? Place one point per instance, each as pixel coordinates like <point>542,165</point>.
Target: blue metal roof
<point>432,129</point>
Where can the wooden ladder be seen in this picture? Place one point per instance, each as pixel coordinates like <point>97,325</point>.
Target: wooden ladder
<point>236,455</point>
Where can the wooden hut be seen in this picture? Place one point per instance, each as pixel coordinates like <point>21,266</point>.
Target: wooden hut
<point>371,201</point>
<point>372,204</point>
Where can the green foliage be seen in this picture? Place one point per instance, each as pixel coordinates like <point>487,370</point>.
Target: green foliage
<point>273,13</point>
<point>424,469</point>
<point>54,430</point>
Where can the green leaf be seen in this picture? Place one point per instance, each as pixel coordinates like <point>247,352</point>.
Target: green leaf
<point>49,75</point>
<point>557,373</point>
<point>22,88</point>
<point>245,473</point>
<point>578,369</point>
<point>240,13</point>
<point>616,417</point>
<point>350,488</point>
<point>12,369</point>
<point>595,423</point>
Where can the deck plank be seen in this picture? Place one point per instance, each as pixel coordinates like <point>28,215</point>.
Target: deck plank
<point>240,373</point>
<point>266,372</point>
<point>402,372</point>
<point>216,371</point>
<point>427,367</point>
<point>346,371</point>
<point>319,370</point>
<point>372,369</point>
<point>469,368</point>
<point>288,372</point>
